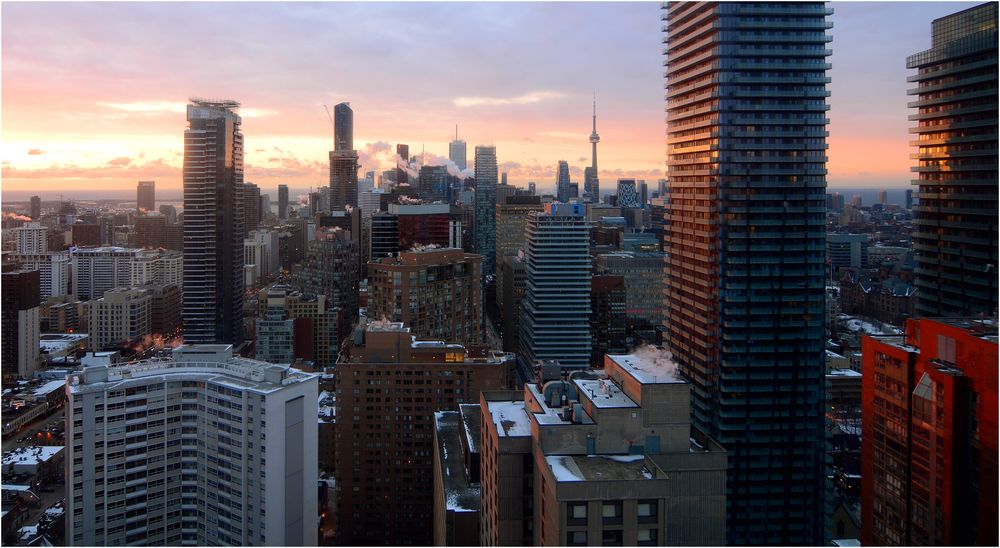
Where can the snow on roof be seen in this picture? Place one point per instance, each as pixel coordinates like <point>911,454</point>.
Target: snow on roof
<point>34,454</point>
<point>16,487</point>
<point>649,365</point>
<point>604,393</point>
<point>49,387</point>
<point>564,468</point>
<point>855,325</point>
<point>598,467</point>
<point>843,373</point>
<point>510,417</point>
<point>833,355</point>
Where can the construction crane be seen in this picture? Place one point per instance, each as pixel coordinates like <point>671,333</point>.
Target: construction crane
<point>332,125</point>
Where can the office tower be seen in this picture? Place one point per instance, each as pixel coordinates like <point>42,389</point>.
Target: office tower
<point>317,328</point>
<point>383,464</point>
<point>643,193</point>
<point>456,152</point>
<point>20,297</point>
<point>121,318</point>
<point>661,188</point>
<point>98,269</point>
<point>384,236</point>
<point>437,293</point>
<point>555,313</point>
<point>745,277</point>
<point>203,424</point>
<point>370,201</point>
<point>53,271</point>
<point>283,199</point>
<point>847,250</point>
<point>343,179</point>
<point>657,210</point>
<point>629,467</point>
<point>929,443</point>
<point>153,230</point>
<point>251,207</point>
<point>31,238</point>
<point>531,188</point>
<point>486,183</point>
<point>511,218</point>
<point>403,151</point>
<point>513,280</point>
<point>883,197</point>
<point>607,316</point>
<point>505,191</point>
<point>591,182</point>
<point>643,276</point>
<point>265,206</point>
<point>35,208</point>
<point>343,127</point>
<point>427,224</point>
<point>909,199</point>
<point>146,196</point>
<point>628,196</point>
<point>86,234</point>
<point>856,201</point>
<point>213,223</point>
<point>168,211</point>
<point>955,223</point>
<point>562,182</point>
<point>331,268</point>
<point>433,183</point>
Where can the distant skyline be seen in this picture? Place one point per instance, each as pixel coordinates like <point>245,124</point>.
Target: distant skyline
<point>94,94</point>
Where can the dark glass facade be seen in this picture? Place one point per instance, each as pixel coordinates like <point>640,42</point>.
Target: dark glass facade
<point>744,232</point>
<point>955,221</point>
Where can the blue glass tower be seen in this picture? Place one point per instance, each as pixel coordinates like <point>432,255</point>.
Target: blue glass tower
<point>744,234</point>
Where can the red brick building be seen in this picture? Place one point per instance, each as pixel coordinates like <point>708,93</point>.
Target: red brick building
<point>929,443</point>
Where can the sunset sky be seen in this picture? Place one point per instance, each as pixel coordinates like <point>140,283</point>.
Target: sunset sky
<point>93,94</point>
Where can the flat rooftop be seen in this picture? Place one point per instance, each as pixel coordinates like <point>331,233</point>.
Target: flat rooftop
<point>604,393</point>
<point>510,417</point>
<point>649,365</point>
<point>569,468</point>
<point>460,495</point>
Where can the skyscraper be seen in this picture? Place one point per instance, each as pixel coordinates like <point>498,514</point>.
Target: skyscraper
<point>283,201</point>
<point>403,151</point>
<point>562,182</point>
<point>19,325</point>
<point>251,207</point>
<point>343,160</point>
<point>591,183</point>
<point>457,153</point>
<point>555,313</point>
<point>628,195</point>
<point>744,234</point>
<point>955,222</point>
<point>186,463</point>
<point>146,196</point>
<point>343,127</point>
<point>486,198</point>
<point>35,208</point>
<point>213,223</point>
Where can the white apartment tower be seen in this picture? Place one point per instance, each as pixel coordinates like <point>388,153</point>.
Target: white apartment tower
<point>121,316</point>
<point>31,238</point>
<point>204,449</point>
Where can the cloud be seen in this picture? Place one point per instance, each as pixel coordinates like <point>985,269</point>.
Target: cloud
<point>256,112</point>
<point>120,161</point>
<point>147,107</point>
<point>581,159</point>
<point>35,152</point>
<point>526,99</point>
<point>121,171</point>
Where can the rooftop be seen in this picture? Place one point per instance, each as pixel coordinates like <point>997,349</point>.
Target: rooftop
<point>566,468</point>
<point>460,495</point>
<point>604,393</point>
<point>34,454</point>
<point>649,365</point>
<point>510,417</point>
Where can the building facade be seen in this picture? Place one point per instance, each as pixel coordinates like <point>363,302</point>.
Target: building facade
<point>122,317</point>
<point>486,183</point>
<point>744,235</point>
<point>929,443</point>
<point>145,200</point>
<point>562,181</point>
<point>174,452</point>
<point>437,293</point>
<point>955,221</point>
<point>511,220</point>
<point>213,223</point>
<point>20,317</point>
<point>389,384</point>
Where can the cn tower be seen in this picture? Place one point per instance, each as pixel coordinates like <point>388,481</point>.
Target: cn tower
<point>591,185</point>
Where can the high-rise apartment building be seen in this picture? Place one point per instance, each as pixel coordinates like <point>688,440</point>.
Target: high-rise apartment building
<point>155,267</point>
<point>35,208</point>
<point>331,267</point>
<point>389,384</point>
<point>201,449</point>
<point>555,313</point>
<point>20,317</point>
<point>317,328</point>
<point>122,317</point>
<point>432,183</point>
<point>929,443</point>
<point>99,269</point>
<point>53,271</point>
<point>486,184</point>
<point>457,152</point>
<point>437,293</point>
<point>601,458</point>
<point>955,223</point>
<point>343,179</point>
<point>251,207</point>
<point>213,223</point>
<point>283,201</point>
<point>145,199</point>
<point>562,181</point>
<point>744,234</point>
<point>343,126</point>
<point>31,238</point>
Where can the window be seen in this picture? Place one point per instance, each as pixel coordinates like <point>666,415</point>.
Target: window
<point>646,511</point>
<point>611,538</point>
<point>577,513</point>
<point>576,538</point>
<point>612,513</point>
<point>646,537</point>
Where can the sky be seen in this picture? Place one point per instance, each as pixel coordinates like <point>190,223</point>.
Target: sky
<point>93,94</point>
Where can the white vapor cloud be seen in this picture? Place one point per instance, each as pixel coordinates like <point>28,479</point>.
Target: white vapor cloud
<point>527,98</point>
<point>157,107</point>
